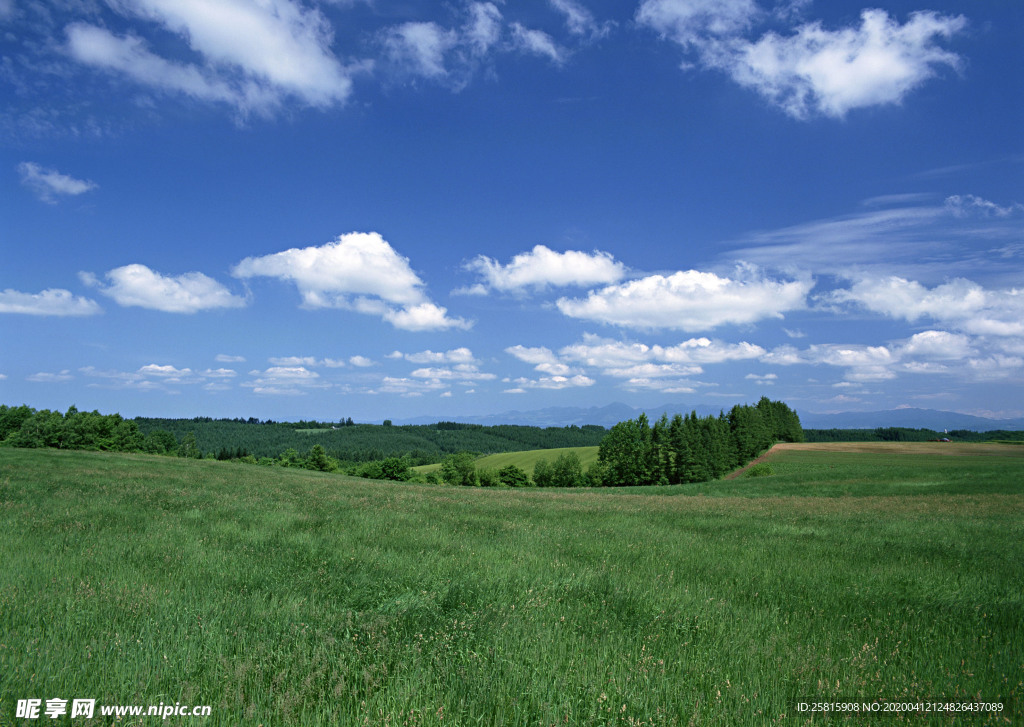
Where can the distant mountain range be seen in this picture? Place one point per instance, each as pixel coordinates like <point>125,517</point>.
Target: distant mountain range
<point>612,414</point>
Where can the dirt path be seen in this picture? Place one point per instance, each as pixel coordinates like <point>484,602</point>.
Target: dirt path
<point>748,465</point>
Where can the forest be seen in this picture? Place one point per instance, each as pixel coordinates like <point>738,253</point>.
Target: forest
<point>344,441</point>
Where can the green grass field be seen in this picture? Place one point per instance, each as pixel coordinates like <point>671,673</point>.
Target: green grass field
<point>525,460</point>
<point>285,597</point>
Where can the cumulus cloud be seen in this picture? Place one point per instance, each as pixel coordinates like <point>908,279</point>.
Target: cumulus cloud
<point>358,271</point>
<point>832,72</point>
<point>137,285</point>
<point>542,358</point>
<point>461,355</point>
<point>542,268</point>
<point>284,380</point>
<point>607,353</point>
<point>424,317</point>
<point>49,184</point>
<point>959,302</point>
<point>408,387</point>
<point>306,361</point>
<point>638,365</point>
<point>158,377</point>
<point>551,382</point>
<point>227,358</point>
<point>932,352</point>
<point>459,372</point>
<point>253,55</point>
<point>689,301</point>
<point>813,70</point>
<point>50,302</point>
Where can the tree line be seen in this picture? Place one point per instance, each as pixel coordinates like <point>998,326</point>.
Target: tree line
<point>693,449</point>
<point>673,451</point>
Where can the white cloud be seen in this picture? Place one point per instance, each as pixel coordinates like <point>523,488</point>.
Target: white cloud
<point>421,47</point>
<point>959,302</point>
<point>446,55</point>
<point>653,371</point>
<point>129,55</point>
<point>483,30</point>
<point>552,382</point>
<point>543,267</point>
<point>221,373</point>
<point>542,358</point>
<point>938,345</point>
<point>425,317</point>
<point>689,301</point>
<point>49,184</point>
<point>164,371</point>
<point>580,21</point>
<point>137,285</point>
<point>813,70</point>
<point>607,353</point>
<point>44,377</point>
<point>968,204</point>
<point>358,271</point>
<point>460,355</point>
<point>927,352</point>
<point>360,361</point>
<point>927,240</point>
<point>832,72</point>
<point>408,387</point>
<point>536,42</point>
<point>226,358</point>
<point>284,380</point>
<point>293,360</point>
<point>254,55</point>
<point>665,386</point>
<point>692,22</point>
<point>459,372</point>
<point>51,302</point>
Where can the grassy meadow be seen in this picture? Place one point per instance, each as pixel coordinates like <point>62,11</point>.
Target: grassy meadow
<point>284,597</point>
<point>525,460</point>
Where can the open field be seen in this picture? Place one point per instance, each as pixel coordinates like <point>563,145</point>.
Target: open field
<point>293,597</point>
<point>525,460</point>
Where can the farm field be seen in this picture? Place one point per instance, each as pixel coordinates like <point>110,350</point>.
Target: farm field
<point>292,597</point>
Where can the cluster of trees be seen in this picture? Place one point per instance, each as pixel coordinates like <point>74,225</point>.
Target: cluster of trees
<point>692,448</point>
<point>23,426</point>
<point>565,471</point>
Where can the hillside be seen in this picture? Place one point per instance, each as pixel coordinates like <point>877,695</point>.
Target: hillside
<point>283,596</point>
<point>367,442</point>
<point>611,414</point>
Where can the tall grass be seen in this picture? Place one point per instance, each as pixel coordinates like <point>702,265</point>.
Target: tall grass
<point>283,597</point>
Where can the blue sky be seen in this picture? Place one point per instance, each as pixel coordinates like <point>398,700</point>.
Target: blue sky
<point>332,208</point>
